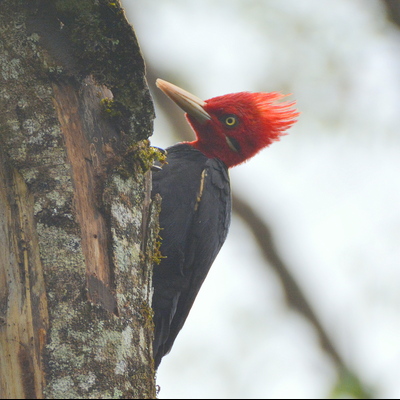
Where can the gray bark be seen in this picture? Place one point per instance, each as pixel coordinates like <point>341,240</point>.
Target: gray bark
<point>77,226</point>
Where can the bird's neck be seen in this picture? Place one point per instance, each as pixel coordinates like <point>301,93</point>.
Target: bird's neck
<point>230,160</point>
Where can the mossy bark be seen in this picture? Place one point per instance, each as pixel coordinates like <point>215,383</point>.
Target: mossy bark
<point>77,226</point>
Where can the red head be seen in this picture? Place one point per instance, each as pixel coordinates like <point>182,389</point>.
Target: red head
<point>236,126</point>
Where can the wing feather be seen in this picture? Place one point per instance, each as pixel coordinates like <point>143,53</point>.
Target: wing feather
<point>194,220</point>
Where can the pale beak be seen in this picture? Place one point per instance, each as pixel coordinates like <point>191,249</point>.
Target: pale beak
<point>185,100</point>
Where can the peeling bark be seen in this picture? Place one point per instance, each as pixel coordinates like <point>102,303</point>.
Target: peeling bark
<point>77,226</point>
<point>23,306</point>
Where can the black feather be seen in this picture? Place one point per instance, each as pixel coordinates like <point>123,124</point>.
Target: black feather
<point>194,220</point>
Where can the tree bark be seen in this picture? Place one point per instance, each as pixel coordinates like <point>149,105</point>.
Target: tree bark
<point>77,226</point>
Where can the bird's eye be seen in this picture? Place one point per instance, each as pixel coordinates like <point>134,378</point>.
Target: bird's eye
<point>230,120</point>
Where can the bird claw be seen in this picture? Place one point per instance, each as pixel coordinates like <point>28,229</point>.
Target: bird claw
<point>163,151</point>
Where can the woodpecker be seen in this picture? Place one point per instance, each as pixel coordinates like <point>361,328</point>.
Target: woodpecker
<point>196,196</point>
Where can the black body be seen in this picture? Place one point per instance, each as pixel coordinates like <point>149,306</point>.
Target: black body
<point>194,220</point>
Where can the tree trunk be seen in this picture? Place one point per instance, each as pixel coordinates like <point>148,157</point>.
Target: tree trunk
<point>77,226</point>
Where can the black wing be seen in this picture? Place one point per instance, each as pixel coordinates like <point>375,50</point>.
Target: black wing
<point>194,220</point>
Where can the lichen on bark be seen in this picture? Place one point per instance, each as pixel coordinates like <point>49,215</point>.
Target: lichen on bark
<point>75,201</point>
